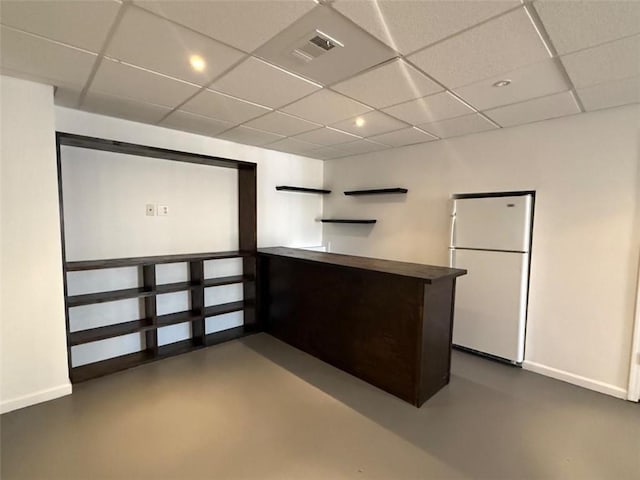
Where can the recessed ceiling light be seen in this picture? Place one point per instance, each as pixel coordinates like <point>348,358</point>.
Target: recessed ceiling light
<point>502,83</point>
<point>197,63</point>
<point>359,122</point>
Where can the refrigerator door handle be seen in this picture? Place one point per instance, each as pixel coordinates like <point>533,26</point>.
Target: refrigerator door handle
<point>453,230</point>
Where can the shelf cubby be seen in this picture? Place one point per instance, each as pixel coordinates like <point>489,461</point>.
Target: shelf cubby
<point>289,188</point>
<point>148,290</point>
<point>111,365</point>
<point>377,191</point>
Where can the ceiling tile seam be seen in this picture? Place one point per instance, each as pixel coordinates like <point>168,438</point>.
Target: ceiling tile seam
<point>158,15</point>
<point>607,82</point>
<point>96,65</point>
<point>580,50</point>
<point>284,70</point>
<point>445,88</point>
<point>465,30</point>
<point>47,39</point>
<point>426,132</point>
<point>243,124</point>
<point>206,87</point>
<point>546,39</point>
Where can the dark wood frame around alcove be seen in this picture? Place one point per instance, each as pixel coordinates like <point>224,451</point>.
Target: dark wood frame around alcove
<point>247,244</point>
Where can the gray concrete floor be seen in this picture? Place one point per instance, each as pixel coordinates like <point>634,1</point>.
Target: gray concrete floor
<point>257,408</point>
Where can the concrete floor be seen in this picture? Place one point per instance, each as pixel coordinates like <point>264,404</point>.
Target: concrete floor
<point>257,408</point>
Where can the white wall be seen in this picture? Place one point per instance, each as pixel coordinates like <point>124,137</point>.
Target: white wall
<point>585,242</point>
<point>32,341</point>
<point>283,218</point>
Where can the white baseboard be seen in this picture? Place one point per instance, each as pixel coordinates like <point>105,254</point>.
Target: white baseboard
<point>574,379</point>
<point>36,397</point>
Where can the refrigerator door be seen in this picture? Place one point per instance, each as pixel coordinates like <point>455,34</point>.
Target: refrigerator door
<point>492,223</point>
<point>490,304</point>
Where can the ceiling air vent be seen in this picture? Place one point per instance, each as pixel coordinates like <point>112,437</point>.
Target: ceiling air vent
<point>313,45</point>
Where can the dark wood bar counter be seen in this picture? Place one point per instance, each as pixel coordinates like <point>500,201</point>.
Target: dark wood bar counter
<point>388,323</point>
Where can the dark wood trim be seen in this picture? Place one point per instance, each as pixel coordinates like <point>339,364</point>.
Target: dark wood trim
<point>155,260</point>
<point>196,272</point>
<point>93,143</point>
<point>377,191</point>
<point>150,308</point>
<point>63,249</point>
<point>248,241</point>
<point>458,196</point>
<point>110,296</point>
<point>346,220</point>
<point>149,325</point>
<point>289,188</point>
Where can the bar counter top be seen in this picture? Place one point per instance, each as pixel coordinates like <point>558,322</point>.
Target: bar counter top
<point>428,273</point>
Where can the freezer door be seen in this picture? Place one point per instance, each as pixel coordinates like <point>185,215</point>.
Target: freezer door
<point>492,223</point>
<point>490,303</point>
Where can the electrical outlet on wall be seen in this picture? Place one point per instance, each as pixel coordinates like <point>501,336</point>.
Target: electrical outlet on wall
<point>163,210</point>
<point>151,209</point>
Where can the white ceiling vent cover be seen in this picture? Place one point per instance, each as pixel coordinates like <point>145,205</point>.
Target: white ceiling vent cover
<point>313,45</point>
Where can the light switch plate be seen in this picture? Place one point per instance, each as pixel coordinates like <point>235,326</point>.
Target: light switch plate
<point>151,209</point>
<point>163,210</point>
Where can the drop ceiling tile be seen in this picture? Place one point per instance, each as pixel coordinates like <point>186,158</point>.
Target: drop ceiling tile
<point>259,82</point>
<point>149,41</point>
<point>605,63</point>
<point>292,145</point>
<point>392,83</point>
<point>544,108</point>
<point>613,94</point>
<point>361,146</point>
<point>121,80</point>
<point>576,25</point>
<point>375,123</point>
<point>326,107</point>
<point>190,122</point>
<point>325,153</point>
<point>282,123</point>
<point>455,127</point>
<point>221,107</point>
<point>326,136</point>
<point>42,61</point>
<point>249,136</point>
<point>409,25</point>
<point>429,109</point>
<point>360,50</point>
<point>501,45</point>
<point>406,136</point>
<point>81,24</point>
<point>537,80</point>
<point>243,24</point>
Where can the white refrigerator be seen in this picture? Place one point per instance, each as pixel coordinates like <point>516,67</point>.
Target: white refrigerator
<point>491,239</point>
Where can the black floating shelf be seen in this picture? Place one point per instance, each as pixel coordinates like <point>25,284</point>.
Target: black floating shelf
<point>216,282</point>
<point>223,308</point>
<point>112,296</point>
<point>178,317</point>
<point>109,331</point>
<point>288,188</point>
<point>377,191</point>
<point>345,220</point>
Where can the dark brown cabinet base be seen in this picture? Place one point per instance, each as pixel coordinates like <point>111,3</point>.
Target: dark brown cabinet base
<point>388,323</point>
